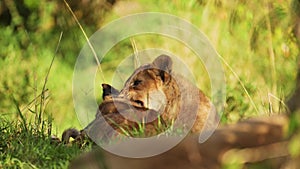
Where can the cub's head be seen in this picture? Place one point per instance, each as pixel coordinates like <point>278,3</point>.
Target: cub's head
<point>147,84</point>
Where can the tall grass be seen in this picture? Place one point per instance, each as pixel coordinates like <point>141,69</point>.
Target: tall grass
<point>27,142</point>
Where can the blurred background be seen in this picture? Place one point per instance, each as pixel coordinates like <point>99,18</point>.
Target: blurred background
<point>254,38</point>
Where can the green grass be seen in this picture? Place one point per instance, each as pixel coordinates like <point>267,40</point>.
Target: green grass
<point>26,142</point>
<point>259,58</point>
<point>23,146</point>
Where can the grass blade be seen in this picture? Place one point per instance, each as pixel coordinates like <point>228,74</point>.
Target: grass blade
<point>19,112</point>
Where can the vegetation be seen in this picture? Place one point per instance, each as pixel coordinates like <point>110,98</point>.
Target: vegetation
<point>23,146</point>
<point>254,39</point>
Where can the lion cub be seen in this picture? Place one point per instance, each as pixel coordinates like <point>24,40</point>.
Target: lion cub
<point>155,86</point>
<point>156,89</point>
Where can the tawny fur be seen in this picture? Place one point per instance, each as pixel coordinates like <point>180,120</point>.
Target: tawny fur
<point>184,101</point>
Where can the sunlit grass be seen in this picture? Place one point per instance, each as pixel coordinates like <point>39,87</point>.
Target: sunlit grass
<point>26,141</point>
<point>24,146</point>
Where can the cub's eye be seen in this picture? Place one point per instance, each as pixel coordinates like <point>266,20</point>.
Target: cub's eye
<point>136,82</point>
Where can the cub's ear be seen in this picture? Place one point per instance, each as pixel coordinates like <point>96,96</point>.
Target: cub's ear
<point>109,91</point>
<point>163,62</point>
